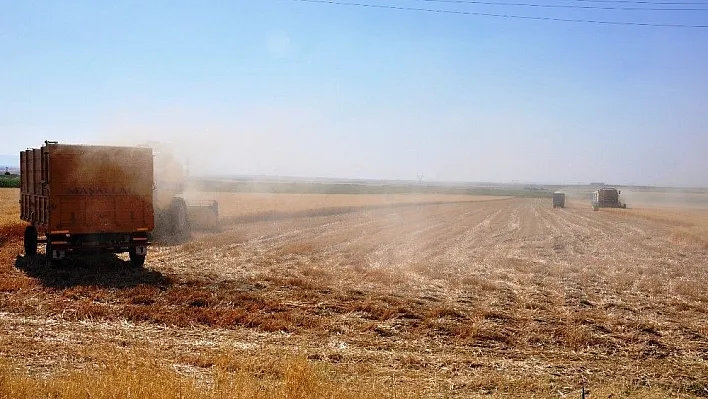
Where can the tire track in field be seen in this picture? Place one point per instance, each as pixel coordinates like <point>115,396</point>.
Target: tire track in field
<point>587,237</point>
<point>428,235</point>
<point>456,248</point>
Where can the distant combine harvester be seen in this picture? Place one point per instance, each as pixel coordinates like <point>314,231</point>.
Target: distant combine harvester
<point>607,198</point>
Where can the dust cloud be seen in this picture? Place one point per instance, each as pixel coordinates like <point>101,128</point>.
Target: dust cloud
<point>257,141</point>
<point>665,198</point>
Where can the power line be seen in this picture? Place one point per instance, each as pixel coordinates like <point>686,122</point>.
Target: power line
<point>671,3</point>
<point>495,3</point>
<point>510,16</point>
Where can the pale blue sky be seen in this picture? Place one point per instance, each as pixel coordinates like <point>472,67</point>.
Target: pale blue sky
<point>278,87</point>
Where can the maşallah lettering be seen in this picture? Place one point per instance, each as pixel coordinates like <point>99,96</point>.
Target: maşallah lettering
<point>100,191</point>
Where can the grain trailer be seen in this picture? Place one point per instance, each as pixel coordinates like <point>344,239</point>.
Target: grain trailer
<point>82,198</point>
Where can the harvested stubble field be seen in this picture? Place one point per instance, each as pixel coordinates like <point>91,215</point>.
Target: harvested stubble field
<point>329,296</point>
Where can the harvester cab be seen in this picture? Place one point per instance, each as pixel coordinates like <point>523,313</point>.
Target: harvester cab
<point>176,214</point>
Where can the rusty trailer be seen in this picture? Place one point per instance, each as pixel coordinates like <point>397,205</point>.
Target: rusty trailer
<point>80,198</point>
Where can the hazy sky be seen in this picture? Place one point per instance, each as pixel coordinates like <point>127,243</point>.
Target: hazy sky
<point>281,87</point>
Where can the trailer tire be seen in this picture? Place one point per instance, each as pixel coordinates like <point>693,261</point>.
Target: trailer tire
<point>136,261</point>
<point>30,241</point>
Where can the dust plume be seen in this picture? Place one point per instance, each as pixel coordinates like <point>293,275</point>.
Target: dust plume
<point>657,197</point>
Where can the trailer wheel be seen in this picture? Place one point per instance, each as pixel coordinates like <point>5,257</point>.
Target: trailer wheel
<point>30,241</point>
<point>136,261</point>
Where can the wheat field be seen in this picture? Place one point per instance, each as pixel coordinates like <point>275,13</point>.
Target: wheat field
<point>308,295</point>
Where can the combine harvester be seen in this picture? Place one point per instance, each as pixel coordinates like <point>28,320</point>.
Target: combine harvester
<point>607,198</point>
<point>176,215</point>
<point>81,198</point>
